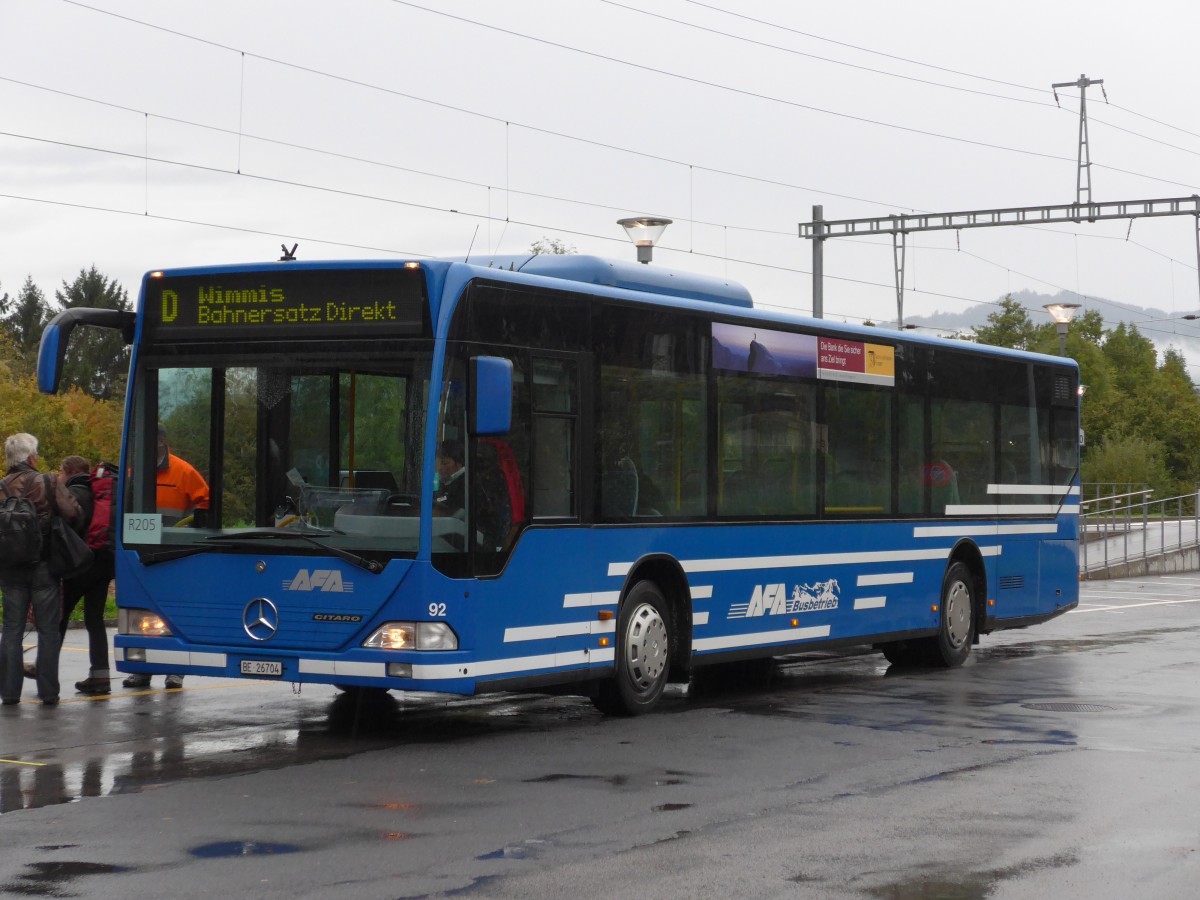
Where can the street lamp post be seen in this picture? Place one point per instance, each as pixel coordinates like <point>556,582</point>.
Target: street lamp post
<point>644,231</point>
<point>1061,313</point>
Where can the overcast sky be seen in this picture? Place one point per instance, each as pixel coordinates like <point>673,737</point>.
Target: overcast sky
<point>137,134</point>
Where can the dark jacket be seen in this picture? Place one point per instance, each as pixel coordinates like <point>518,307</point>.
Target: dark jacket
<point>80,487</point>
<point>24,480</point>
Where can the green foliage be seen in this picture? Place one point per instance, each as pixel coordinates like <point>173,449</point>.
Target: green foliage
<point>1131,357</point>
<point>1141,418</point>
<point>97,360</point>
<point>1126,459</point>
<point>1009,327</point>
<point>72,421</point>
<point>551,246</point>
<point>24,322</point>
<point>64,424</point>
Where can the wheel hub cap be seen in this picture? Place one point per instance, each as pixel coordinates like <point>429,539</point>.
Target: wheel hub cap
<point>646,647</point>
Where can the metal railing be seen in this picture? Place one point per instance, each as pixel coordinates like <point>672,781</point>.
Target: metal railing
<point>1131,526</point>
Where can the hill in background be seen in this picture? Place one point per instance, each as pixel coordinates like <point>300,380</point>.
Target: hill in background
<point>1165,329</point>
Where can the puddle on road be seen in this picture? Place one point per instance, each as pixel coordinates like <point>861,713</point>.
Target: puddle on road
<point>223,849</point>
<point>971,888</point>
<point>968,885</point>
<point>614,780</point>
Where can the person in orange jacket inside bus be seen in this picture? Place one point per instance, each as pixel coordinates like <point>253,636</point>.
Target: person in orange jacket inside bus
<point>182,499</point>
<point>182,491</point>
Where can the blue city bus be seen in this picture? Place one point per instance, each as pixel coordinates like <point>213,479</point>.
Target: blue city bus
<point>567,474</point>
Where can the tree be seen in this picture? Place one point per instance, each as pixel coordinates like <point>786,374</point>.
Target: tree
<point>64,424</point>
<point>1009,327</point>
<point>97,360</point>
<point>551,246</point>
<point>1171,416</point>
<point>1131,358</point>
<point>1122,459</point>
<point>26,321</point>
<point>1089,326</point>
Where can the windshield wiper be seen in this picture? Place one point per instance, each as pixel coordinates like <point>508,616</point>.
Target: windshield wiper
<point>149,558</point>
<point>267,534</point>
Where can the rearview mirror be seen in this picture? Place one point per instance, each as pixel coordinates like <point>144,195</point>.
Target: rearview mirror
<point>57,334</point>
<point>491,390</point>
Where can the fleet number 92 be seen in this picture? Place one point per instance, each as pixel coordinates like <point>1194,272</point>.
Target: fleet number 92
<point>437,609</point>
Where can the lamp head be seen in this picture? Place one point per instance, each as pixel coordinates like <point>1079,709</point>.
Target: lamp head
<point>644,231</point>
<point>1062,313</point>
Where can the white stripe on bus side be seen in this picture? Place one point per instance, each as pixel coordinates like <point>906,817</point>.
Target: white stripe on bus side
<point>870,602</point>
<point>885,578</point>
<point>561,629</point>
<point>750,563</point>
<point>941,531</point>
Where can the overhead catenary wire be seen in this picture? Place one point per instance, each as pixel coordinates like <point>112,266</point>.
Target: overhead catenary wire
<point>529,127</point>
<point>612,59</point>
<point>487,216</point>
<point>1041,90</point>
<point>667,73</point>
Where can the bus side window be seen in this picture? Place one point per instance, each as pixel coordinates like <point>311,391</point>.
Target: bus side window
<point>555,432</point>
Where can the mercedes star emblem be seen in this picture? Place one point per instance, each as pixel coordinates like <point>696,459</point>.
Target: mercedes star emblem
<point>260,618</point>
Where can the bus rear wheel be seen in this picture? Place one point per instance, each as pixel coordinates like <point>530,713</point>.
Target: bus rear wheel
<point>643,654</point>
<point>956,628</point>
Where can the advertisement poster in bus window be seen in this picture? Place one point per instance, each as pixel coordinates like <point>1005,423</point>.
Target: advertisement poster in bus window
<point>761,351</point>
<point>842,360</point>
<point>738,348</point>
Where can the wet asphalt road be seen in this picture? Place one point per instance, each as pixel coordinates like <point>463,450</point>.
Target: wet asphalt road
<point>1061,761</point>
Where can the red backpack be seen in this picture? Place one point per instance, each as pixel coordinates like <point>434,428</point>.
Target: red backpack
<point>101,534</point>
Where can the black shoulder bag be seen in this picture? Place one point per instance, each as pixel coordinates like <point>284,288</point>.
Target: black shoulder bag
<point>69,553</point>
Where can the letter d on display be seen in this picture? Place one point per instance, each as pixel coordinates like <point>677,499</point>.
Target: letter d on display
<point>170,306</point>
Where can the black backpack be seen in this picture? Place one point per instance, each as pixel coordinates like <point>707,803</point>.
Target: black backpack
<point>20,532</point>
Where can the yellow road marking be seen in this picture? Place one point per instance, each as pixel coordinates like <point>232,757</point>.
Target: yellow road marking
<point>21,762</point>
<point>128,692</point>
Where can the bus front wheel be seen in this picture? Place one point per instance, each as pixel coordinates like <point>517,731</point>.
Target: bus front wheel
<point>956,629</point>
<point>643,654</point>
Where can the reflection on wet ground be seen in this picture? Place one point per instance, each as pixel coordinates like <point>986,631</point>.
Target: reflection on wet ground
<point>204,746</point>
<point>162,739</point>
<point>55,879</point>
<point>241,848</point>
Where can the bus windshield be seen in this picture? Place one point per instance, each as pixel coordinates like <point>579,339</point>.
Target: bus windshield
<point>315,450</point>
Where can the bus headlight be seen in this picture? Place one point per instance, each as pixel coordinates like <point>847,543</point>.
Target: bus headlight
<point>413,636</point>
<point>141,623</point>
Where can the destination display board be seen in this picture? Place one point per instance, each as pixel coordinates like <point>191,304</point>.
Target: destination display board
<point>277,303</point>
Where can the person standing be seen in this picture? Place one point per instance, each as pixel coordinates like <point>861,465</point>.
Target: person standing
<point>182,494</point>
<point>32,585</point>
<point>91,586</point>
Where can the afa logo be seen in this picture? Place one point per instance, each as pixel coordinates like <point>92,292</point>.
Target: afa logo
<point>774,600</point>
<point>326,580</point>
